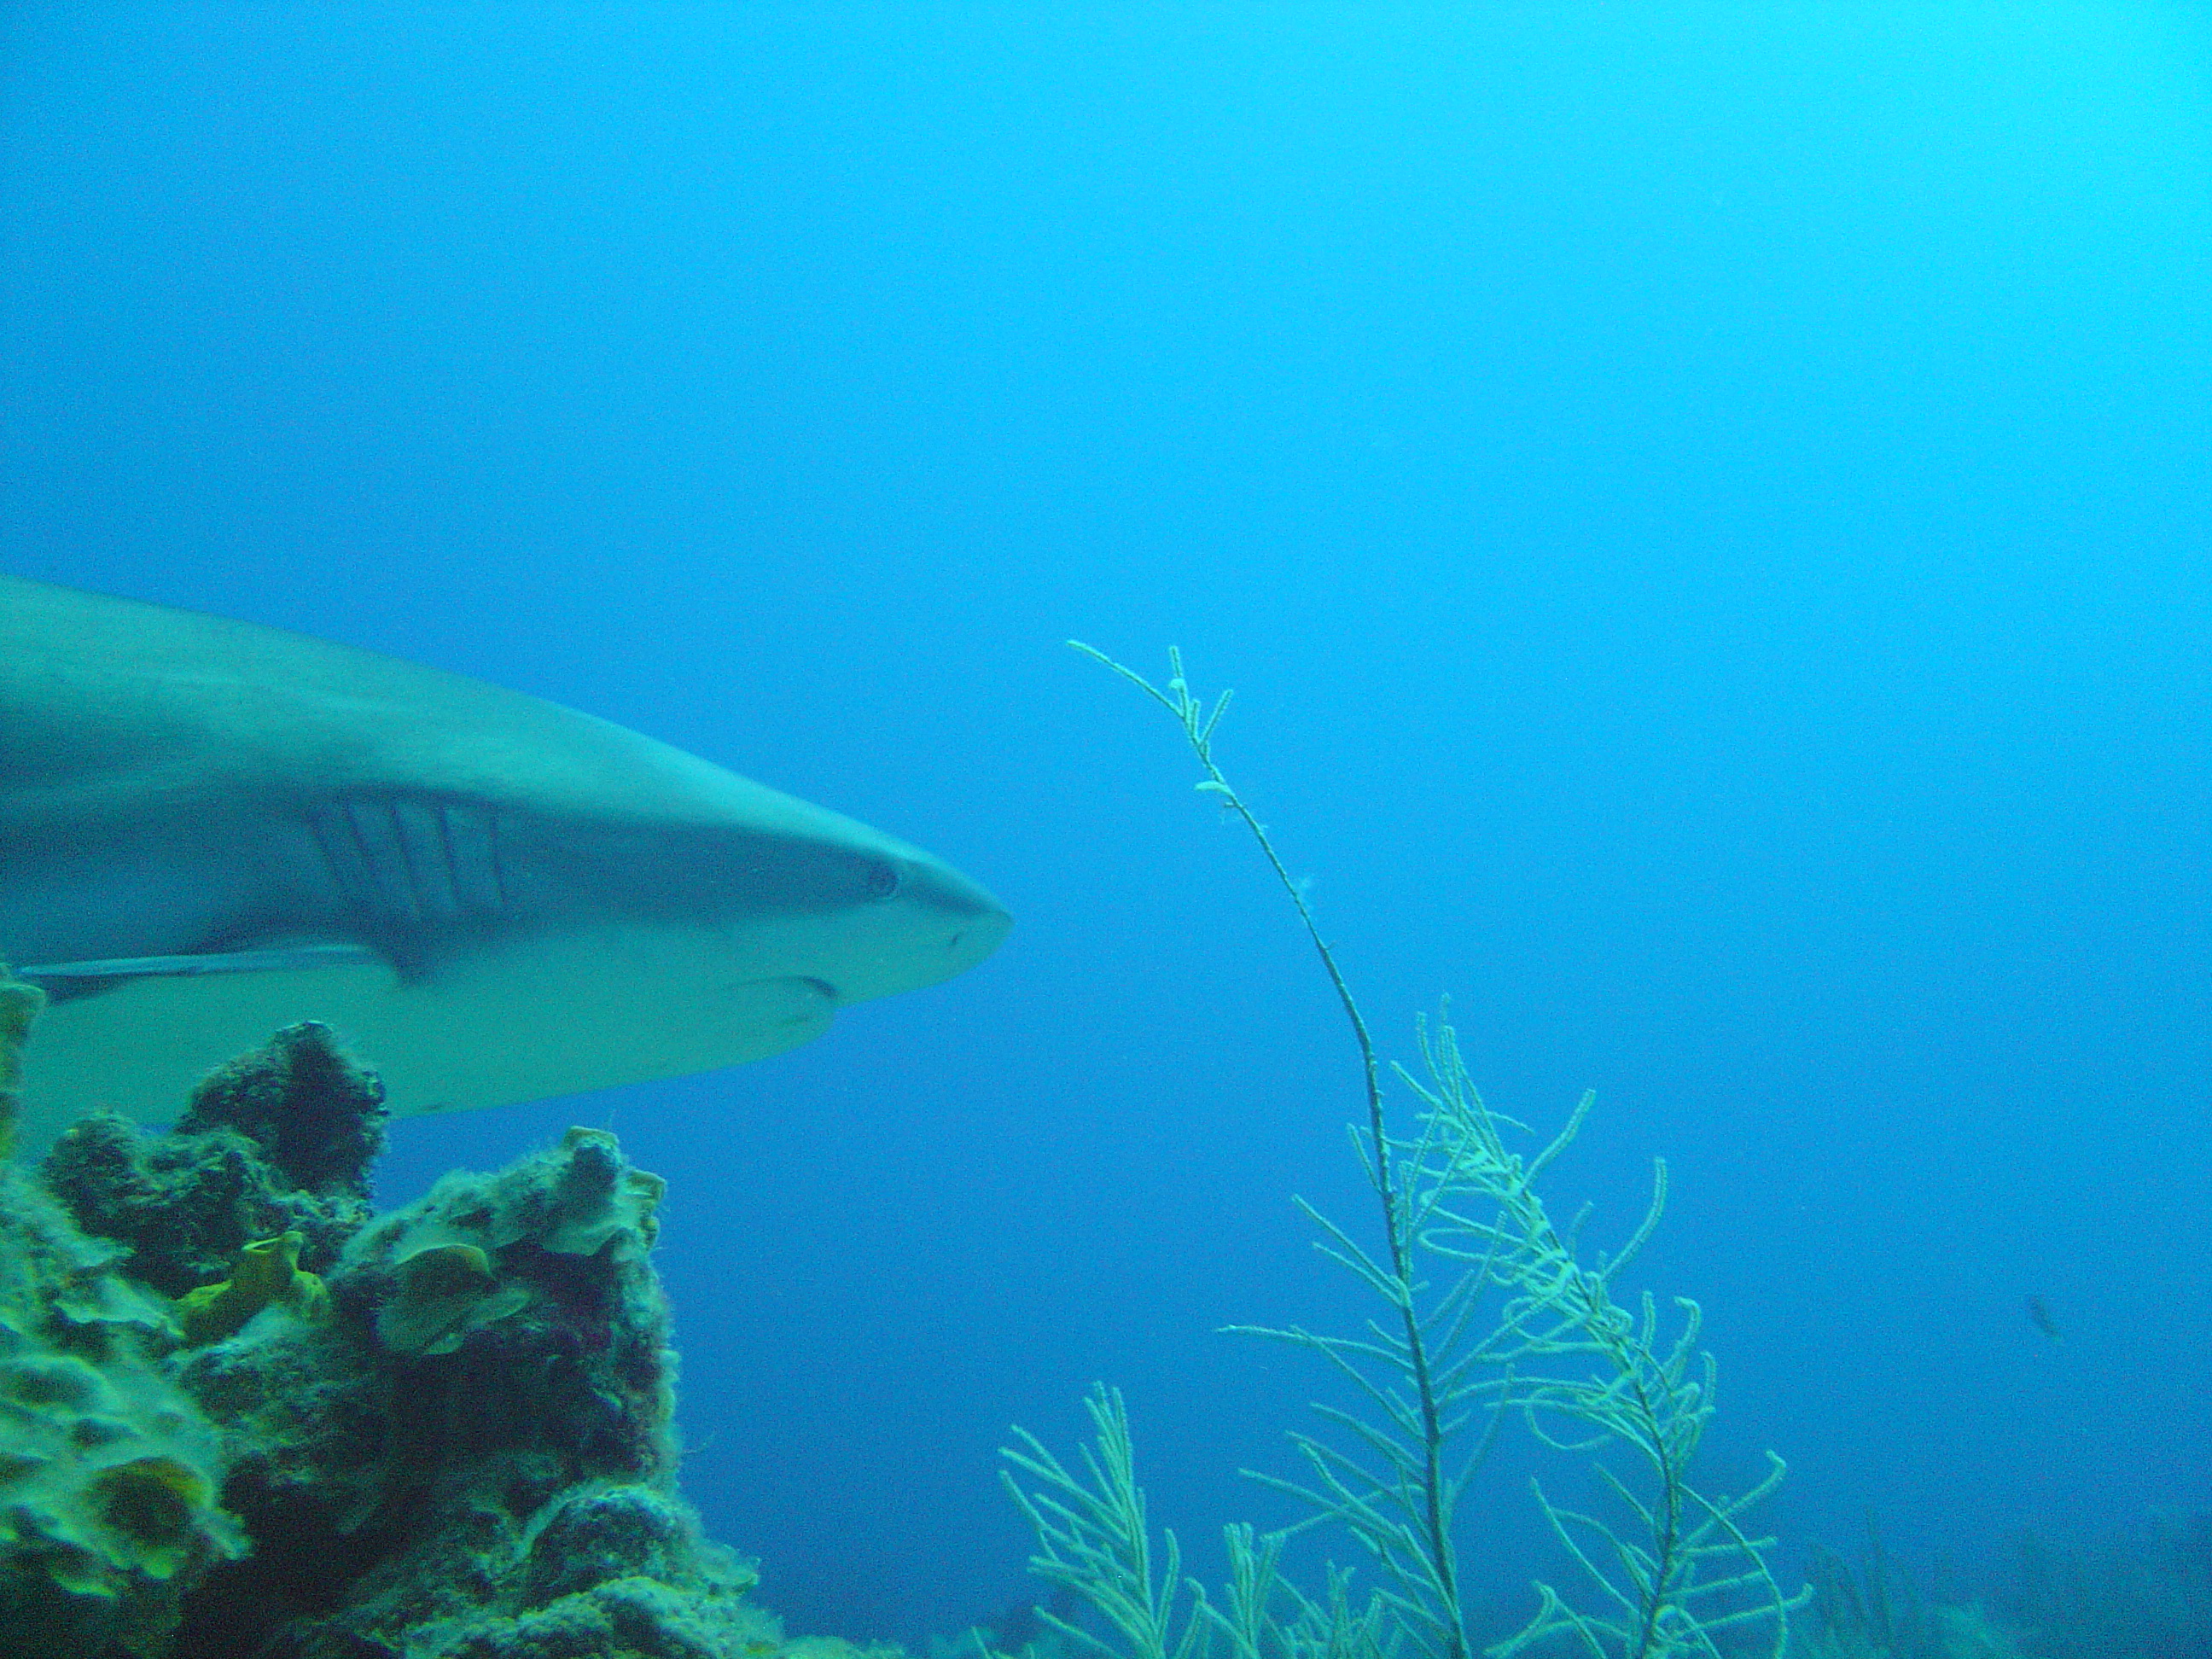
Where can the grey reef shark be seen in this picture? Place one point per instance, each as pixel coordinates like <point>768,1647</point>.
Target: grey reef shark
<point>211,828</point>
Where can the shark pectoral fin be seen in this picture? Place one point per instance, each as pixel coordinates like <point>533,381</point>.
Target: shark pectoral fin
<point>283,959</point>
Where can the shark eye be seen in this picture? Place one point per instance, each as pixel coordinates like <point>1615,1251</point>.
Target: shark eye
<point>882,880</point>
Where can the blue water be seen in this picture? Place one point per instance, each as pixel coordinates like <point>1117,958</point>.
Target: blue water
<point>1705,508</point>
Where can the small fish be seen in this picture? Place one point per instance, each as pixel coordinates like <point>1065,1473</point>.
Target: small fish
<point>2038,1314</point>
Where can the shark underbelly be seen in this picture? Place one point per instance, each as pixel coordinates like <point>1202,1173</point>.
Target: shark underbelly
<point>587,1009</point>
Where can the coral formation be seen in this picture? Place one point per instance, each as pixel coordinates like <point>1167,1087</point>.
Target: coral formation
<point>278,1141</point>
<point>247,1419</point>
<point>439,1294</point>
<point>268,1275</point>
<point>20,1003</point>
<point>313,1114</point>
<point>1493,1311</point>
<point>108,1472</point>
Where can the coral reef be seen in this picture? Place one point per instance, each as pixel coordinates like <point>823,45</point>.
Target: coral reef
<point>278,1141</point>
<point>248,1420</point>
<point>20,1003</point>
<point>108,1472</point>
<point>1875,1611</point>
<point>2145,1592</point>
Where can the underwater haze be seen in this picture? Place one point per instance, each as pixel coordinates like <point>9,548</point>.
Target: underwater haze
<point>1705,508</point>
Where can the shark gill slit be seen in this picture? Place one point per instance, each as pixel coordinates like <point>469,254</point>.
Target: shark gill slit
<point>403,864</point>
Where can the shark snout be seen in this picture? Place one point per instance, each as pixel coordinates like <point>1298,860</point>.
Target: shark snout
<point>974,939</point>
<point>958,922</point>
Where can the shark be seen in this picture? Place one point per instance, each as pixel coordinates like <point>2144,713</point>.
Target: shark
<point>211,828</point>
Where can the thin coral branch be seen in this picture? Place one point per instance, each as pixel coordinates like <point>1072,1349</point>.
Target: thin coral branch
<point>1522,1323</point>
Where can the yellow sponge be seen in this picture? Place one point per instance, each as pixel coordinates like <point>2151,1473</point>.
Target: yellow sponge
<point>268,1274</point>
